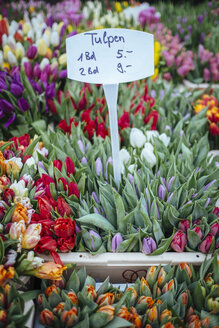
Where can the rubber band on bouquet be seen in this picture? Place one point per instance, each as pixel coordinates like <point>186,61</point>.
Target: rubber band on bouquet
<point>131,275</point>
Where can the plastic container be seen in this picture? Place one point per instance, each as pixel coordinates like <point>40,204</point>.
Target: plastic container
<point>125,267</point>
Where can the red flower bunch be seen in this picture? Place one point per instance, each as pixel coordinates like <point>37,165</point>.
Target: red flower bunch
<point>59,234</point>
<point>20,143</point>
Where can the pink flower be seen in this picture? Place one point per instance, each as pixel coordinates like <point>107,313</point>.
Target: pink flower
<point>179,241</point>
<point>198,231</point>
<point>206,244</point>
<point>215,229</point>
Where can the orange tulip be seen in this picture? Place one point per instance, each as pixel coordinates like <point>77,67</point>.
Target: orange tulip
<point>20,213</point>
<point>50,270</point>
<point>152,314</point>
<point>73,297</point>
<point>109,309</point>
<point>91,292</point>
<point>124,313</point>
<point>146,300</point>
<point>187,268</point>
<point>6,274</point>
<point>104,299</point>
<point>51,289</point>
<point>47,317</point>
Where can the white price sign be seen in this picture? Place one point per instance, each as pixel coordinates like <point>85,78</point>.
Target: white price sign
<point>109,57</point>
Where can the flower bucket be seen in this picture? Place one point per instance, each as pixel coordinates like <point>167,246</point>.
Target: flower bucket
<point>125,267</point>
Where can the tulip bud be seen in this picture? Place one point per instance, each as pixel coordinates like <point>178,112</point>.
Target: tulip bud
<point>168,286</point>
<point>145,289</point>
<point>116,241</point>
<point>31,52</point>
<point>206,243</point>
<point>4,181</point>
<point>148,156</point>
<point>209,280</point>
<point>58,164</point>
<point>137,138</point>
<point>198,231</point>
<point>165,316</point>
<point>59,283</point>
<point>109,309</point>
<point>183,298</point>
<point>73,189</point>
<point>146,300</point>
<point>186,267</point>
<point>82,103</point>
<point>31,236</point>
<point>136,320</point>
<point>8,195</point>
<point>161,276</point>
<point>151,275</point>
<point>99,166</point>
<point>42,47</point>
<point>179,241</point>
<point>59,308</point>
<point>133,296</point>
<point>92,240</point>
<point>105,299</point>
<point>148,245</point>
<point>215,229</point>
<point>205,323</point>
<point>124,313</point>
<point>12,59</point>
<point>70,167</point>
<point>213,305</point>
<point>47,317</point>
<point>161,192</point>
<point>91,292</point>
<point>152,314</point>
<point>184,225</point>
<point>63,208</point>
<point>51,289</point>
<point>73,297</point>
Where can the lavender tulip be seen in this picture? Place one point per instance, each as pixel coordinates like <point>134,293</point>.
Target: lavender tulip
<point>31,52</point>
<point>3,85</point>
<point>170,197</point>
<point>170,183</point>
<point>6,106</point>
<point>148,245</point>
<point>96,210</point>
<point>16,89</point>
<point>41,165</point>
<point>77,228</point>
<point>116,241</point>
<point>209,184</point>
<point>23,104</point>
<point>81,146</point>
<point>161,192</point>
<point>95,240</point>
<point>94,195</point>
<point>84,160</point>
<point>63,74</point>
<point>99,166</point>
<point>50,91</point>
<point>207,202</point>
<point>200,19</point>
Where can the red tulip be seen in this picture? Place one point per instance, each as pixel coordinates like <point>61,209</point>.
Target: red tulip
<point>63,208</point>
<point>206,244</point>
<point>73,189</point>
<point>179,241</point>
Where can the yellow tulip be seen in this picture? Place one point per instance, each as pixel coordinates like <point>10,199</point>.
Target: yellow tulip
<point>156,46</point>
<point>6,50</point>
<point>6,65</point>
<point>49,53</point>
<point>26,28</point>
<point>63,59</point>
<point>42,47</point>
<point>156,72</point>
<point>156,58</point>
<point>69,28</point>
<point>31,9</point>
<point>118,7</point>
<point>50,270</point>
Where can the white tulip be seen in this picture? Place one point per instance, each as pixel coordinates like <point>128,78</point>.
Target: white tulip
<point>16,160</point>
<point>12,59</point>
<point>30,34</point>
<point>55,39</point>
<point>11,42</point>
<point>137,138</point>
<point>151,135</point>
<point>149,146</point>
<point>31,161</point>
<point>54,26</point>
<point>4,40</point>
<point>44,62</point>
<point>1,58</point>
<point>131,168</point>
<point>20,51</point>
<point>165,139</point>
<point>46,39</point>
<point>19,188</point>
<point>24,60</point>
<point>148,156</point>
<point>124,156</point>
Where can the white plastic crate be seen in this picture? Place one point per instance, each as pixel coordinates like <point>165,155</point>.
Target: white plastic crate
<point>125,267</point>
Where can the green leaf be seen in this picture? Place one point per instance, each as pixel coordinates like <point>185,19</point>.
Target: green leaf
<point>97,220</point>
<point>157,231</point>
<point>73,282</point>
<point>8,215</point>
<point>163,247</point>
<point>198,297</point>
<point>84,323</point>
<point>104,287</point>
<point>30,295</point>
<point>99,319</point>
<point>2,250</point>
<point>120,212</point>
<point>32,145</point>
<point>118,322</point>
<point>193,239</point>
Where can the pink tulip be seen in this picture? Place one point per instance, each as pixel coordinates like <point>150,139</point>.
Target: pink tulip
<point>206,244</point>
<point>179,241</point>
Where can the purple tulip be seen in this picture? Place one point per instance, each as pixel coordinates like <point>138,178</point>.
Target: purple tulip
<point>23,104</point>
<point>116,241</point>
<point>72,34</point>
<point>44,76</point>
<point>8,154</point>
<point>36,86</point>
<point>63,74</point>
<point>148,245</point>
<point>31,52</point>
<point>10,120</point>
<point>16,89</point>
<point>207,202</point>
<point>202,37</point>
<point>170,197</point>
<point>94,195</point>
<point>170,183</point>
<point>99,166</point>
<point>209,184</point>
<point>6,106</point>
<point>96,236</point>
<point>81,146</point>
<point>190,29</point>
<point>50,91</point>
<point>84,160</point>
<point>36,71</point>
<point>77,228</point>
<point>41,165</point>
<point>200,19</point>
<point>163,180</point>
<point>131,178</point>
<point>161,192</point>
<point>96,210</point>
<point>28,69</point>
<point>3,85</point>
